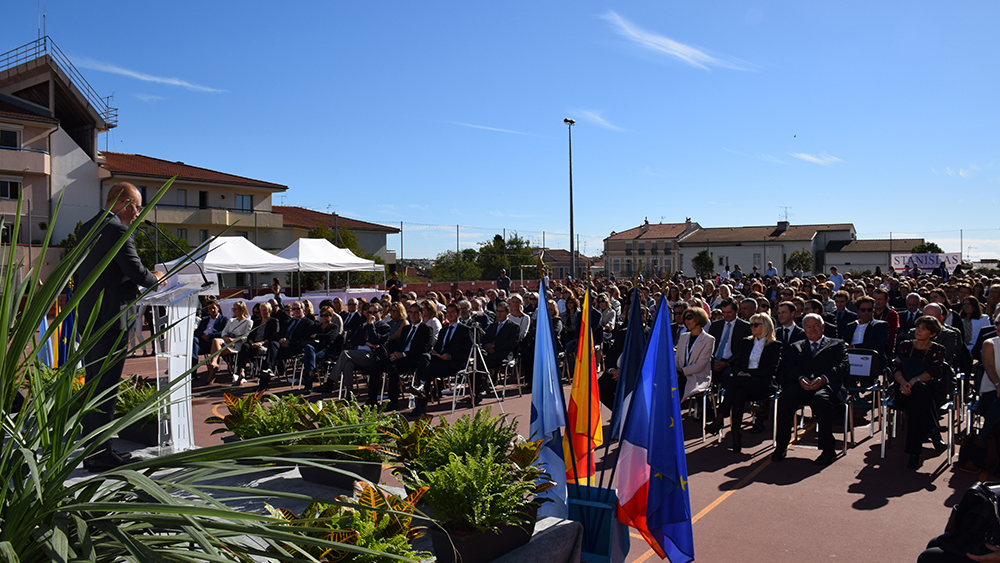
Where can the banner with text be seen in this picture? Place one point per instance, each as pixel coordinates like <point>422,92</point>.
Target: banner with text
<point>926,262</point>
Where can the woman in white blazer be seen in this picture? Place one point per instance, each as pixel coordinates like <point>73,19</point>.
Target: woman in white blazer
<point>693,354</point>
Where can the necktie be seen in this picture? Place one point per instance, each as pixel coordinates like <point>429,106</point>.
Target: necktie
<point>447,337</point>
<point>291,329</point>
<point>815,347</point>
<point>784,335</point>
<point>409,338</point>
<point>722,343</point>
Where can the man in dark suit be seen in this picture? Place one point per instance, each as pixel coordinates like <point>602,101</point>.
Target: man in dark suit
<point>814,376</point>
<point>787,331</point>
<point>119,282</point>
<point>883,312</point>
<point>364,350</point>
<point>729,333</point>
<point>843,314</point>
<point>407,353</point>
<point>908,316</point>
<point>211,327</point>
<point>449,356</point>
<point>296,338</point>
<point>353,319</point>
<point>868,332</point>
<point>501,338</point>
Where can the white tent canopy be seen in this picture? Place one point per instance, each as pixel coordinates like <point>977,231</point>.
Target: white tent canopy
<point>230,255</point>
<point>320,255</point>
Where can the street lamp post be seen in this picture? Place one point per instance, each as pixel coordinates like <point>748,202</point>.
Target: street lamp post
<point>572,256</point>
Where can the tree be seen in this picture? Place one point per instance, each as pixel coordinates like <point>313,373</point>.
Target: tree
<point>801,260</point>
<point>444,266</point>
<point>499,254</point>
<point>703,264</point>
<point>154,249</point>
<point>341,238</point>
<point>926,248</point>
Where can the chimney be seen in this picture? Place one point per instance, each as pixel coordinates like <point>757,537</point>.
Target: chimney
<point>645,226</point>
<point>687,222</point>
<point>782,226</point>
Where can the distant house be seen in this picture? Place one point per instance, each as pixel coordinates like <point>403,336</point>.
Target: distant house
<point>860,255</point>
<point>558,263</point>
<point>371,236</point>
<point>651,248</point>
<point>756,246</point>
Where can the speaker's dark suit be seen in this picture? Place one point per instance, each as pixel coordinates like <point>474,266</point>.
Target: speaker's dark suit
<point>504,337</point>
<point>831,362</point>
<point>844,318</point>
<point>119,283</point>
<point>876,336</point>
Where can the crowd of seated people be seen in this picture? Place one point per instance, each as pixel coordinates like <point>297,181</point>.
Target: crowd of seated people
<point>768,333</point>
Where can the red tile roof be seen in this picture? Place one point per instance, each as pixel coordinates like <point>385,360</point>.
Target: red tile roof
<point>307,219</point>
<point>901,246</point>
<point>11,110</point>
<point>139,165</point>
<point>655,231</point>
<point>562,255</point>
<point>722,235</point>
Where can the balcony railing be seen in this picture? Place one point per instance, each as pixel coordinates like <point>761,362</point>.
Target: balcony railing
<point>45,46</point>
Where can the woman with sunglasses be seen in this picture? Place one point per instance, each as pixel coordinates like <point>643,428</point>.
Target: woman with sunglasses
<point>694,353</point>
<point>755,376</point>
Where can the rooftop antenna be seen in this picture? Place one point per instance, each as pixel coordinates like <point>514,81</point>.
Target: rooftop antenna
<point>107,134</point>
<point>44,32</point>
<point>785,208</point>
<point>39,22</point>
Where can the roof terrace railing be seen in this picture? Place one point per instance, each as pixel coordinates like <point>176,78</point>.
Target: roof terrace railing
<point>45,46</point>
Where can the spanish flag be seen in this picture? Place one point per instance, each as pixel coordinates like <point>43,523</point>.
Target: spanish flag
<point>584,421</point>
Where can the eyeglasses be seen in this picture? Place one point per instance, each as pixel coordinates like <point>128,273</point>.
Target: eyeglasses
<point>296,308</point>
<point>688,317</point>
<point>866,309</point>
<point>325,315</point>
<point>755,325</point>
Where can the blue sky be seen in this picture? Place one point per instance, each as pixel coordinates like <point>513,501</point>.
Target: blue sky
<point>882,114</point>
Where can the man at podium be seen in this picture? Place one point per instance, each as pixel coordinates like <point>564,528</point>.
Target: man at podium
<point>119,283</point>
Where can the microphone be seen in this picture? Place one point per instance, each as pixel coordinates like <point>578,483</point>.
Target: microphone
<point>204,278</point>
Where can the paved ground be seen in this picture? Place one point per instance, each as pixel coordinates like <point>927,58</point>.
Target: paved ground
<point>860,508</point>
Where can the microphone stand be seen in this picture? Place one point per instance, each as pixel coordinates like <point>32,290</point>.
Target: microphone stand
<point>204,278</point>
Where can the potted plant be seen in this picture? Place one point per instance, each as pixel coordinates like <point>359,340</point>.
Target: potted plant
<point>132,393</point>
<point>485,501</point>
<point>371,520</point>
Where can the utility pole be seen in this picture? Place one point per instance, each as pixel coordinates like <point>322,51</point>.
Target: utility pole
<point>572,257</point>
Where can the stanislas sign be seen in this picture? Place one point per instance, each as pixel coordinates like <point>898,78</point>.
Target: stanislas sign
<point>926,262</point>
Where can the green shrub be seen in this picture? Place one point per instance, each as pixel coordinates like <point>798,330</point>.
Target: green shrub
<point>132,393</point>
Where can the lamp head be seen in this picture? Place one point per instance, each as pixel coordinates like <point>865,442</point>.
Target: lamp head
<point>569,121</point>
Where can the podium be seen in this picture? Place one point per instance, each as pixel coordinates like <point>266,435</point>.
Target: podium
<point>174,309</point>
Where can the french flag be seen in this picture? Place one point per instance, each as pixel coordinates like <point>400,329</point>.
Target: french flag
<point>652,467</point>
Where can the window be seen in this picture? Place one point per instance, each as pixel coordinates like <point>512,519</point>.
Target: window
<point>182,198</point>
<point>616,266</point>
<point>5,234</point>
<point>10,139</point>
<point>142,193</point>
<point>203,200</point>
<point>721,260</point>
<point>642,248</point>
<point>244,203</point>
<point>182,234</point>
<point>9,189</point>
<point>241,279</point>
<point>244,234</point>
<point>202,235</point>
<point>756,260</point>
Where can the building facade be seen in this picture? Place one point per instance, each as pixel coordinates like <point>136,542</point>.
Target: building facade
<point>651,248</point>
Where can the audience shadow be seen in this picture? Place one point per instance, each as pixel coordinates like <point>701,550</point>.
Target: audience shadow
<point>883,479</point>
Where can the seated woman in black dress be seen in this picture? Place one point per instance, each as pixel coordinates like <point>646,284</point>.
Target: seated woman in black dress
<point>920,372</point>
<point>755,372</point>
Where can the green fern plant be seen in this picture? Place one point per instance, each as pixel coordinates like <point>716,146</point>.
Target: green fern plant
<point>132,393</point>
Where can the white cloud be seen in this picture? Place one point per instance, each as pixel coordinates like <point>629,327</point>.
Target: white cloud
<point>487,128</point>
<point>114,69</point>
<point>149,97</point>
<point>595,117</point>
<point>769,158</point>
<point>666,46</point>
<point>950,171</point>
<point>824,159</point>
